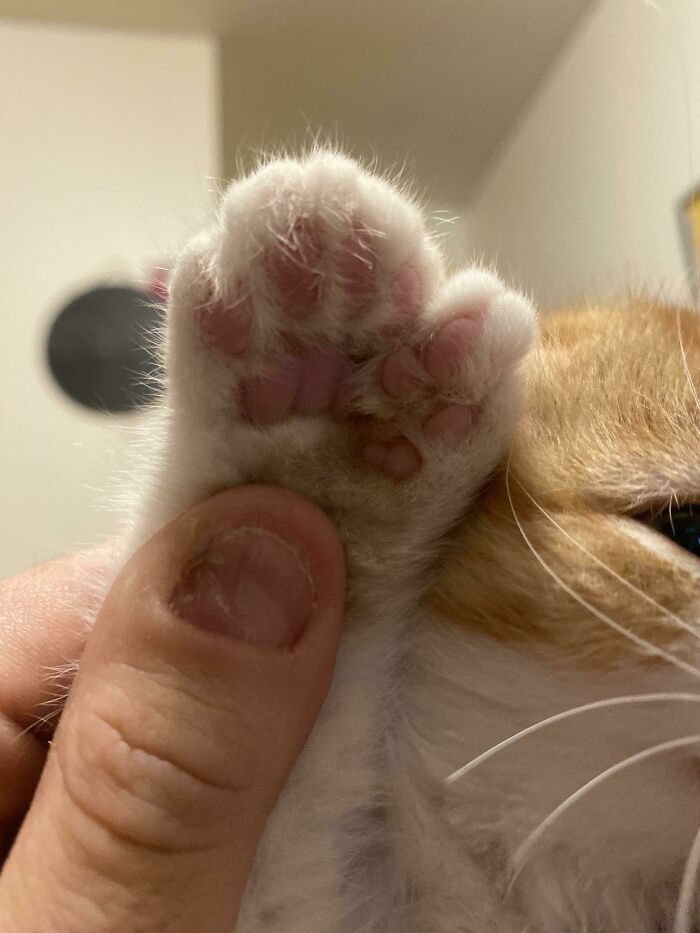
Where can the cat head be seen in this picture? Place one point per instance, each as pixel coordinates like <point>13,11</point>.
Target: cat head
<point>579,525</point>
<point>577,579</point>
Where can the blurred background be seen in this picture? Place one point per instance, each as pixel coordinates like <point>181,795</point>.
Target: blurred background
<point>554,138</point>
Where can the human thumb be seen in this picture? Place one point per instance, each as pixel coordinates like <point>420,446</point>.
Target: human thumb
<point>199,685</point>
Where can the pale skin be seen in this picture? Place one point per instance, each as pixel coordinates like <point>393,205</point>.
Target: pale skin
<point>146,809</point>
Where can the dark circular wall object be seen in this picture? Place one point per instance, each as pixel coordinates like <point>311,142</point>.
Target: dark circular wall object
<point>100,348</point>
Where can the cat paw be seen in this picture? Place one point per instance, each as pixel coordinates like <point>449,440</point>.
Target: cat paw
<point>319,294</point>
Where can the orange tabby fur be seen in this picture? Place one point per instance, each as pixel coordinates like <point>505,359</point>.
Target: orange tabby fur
<point>612,429</point>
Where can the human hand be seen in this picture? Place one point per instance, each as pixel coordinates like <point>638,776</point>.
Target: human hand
<point>198,686</point>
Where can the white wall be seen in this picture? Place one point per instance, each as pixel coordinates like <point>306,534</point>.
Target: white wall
<point>583,199</point>
<point>106,143</point>
<point>429,84</point>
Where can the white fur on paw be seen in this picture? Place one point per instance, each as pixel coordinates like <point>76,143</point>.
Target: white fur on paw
<point>320,293</point>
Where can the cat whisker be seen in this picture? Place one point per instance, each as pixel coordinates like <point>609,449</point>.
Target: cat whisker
<point>605,619</point>
<point>631,700</point>
<point>525,848</point>
<point>613,573</point>
<point>684,921</point>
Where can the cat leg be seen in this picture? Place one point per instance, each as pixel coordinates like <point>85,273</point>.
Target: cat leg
<point>313,341</point>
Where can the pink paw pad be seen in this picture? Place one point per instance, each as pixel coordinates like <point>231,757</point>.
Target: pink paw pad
<point>294,265</point>
<point>403,373</point>
<point>398,459</point>
<point>406,296</point>
<point>324,374</point>
<point>226,325</point>
<point>356,267</point>
<point>448,347</point>
<point>269,398</point>
<point>406,371</point>
<point>307,383</point>
<point>449,424</point>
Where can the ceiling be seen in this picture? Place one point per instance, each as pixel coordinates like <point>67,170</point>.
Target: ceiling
<point>170,15</point>
<point>436,82</point>
<point>521,19</point>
